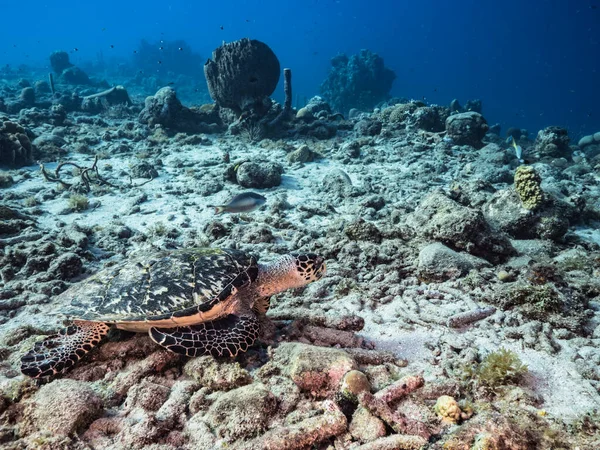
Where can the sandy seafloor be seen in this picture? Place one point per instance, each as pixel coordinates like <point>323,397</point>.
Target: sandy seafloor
<point>311,210</point>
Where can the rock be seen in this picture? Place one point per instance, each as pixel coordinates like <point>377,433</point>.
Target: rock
<point>5,180</point>
<point>365,427</point>
<point>552,142</point>
<point>144,170</point>
<point>27,96</point>
<point>361,230</point>
<point>430,118</point>
<point>586,140</point>
<point>474,105</point>
<point>62,407</point>
<point>317,105</point>
<point>114,96</point>
<point>242,74</point>
<point>66,266</point>
<point>368,127</point>
<point>354,113</point>
<point>359,81</point>
<point>353,383</point>
<point>49,145</point>
<point>351,149</point>
<point>461,228</point>
<point>147,395</point>
<point>302,155</point>
<point>42,87</point>
<point>467,128</point>
<point>242,412</point>
<point>305,114</point>
<point>217,375</point>
<point>504,213</point>
<point>16,149</point>
<point>59,62</point>
<point>74,75</point>
<point>164,108</point>
<point>317,370</point>
<point>262,176</point>
<point>440,263</point>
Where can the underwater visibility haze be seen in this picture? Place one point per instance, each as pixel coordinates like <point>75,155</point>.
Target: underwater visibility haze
<point>327,224</point>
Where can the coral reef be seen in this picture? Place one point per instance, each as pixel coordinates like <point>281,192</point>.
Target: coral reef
<point>442,219</point>
<point>440,288</point>
<point>359,81</point>
<point>552,142</point>
<point>101,101</point>
<point>242,74</point>
<point>467,128</point>
<point>59,61</point>
<point>164,108</point>
<point>16,149</point>
<point>67,72</point>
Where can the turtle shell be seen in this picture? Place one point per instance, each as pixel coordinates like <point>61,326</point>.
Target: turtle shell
<point>160,285</point>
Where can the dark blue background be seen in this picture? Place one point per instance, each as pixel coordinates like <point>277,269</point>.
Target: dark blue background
<point>533,63</point>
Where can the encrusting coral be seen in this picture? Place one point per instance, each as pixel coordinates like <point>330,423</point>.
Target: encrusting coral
<point>527,185</point>
<point>448,409</point>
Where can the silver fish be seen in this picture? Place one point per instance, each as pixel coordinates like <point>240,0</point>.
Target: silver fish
<point>241,203</point>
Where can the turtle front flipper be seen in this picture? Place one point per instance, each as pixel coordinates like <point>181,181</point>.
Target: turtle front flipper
<point>58,353</point>
<point>222,337</point>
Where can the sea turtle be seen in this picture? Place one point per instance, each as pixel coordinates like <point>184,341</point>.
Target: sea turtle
<point>191,301</point>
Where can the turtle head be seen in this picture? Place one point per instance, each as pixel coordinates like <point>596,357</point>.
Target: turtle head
<point>290,271</point>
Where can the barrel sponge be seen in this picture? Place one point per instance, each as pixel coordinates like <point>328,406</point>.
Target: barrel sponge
<point>242,74</point>
<point>527,185</point>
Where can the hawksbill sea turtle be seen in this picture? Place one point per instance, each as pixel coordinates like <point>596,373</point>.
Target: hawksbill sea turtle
<point>190,301</point>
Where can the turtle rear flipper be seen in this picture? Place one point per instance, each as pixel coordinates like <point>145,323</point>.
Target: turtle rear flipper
<point>58,353</point>
<point>222,337</point>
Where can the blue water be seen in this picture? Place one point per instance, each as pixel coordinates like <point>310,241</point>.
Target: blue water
<point>533,63</point>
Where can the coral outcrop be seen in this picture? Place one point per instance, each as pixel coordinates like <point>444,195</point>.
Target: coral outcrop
<point>359,81</point>
<point>101,101</point>
<point>552,142</point>
<point>442,219</point>
<point>164,108</point>
<point>467,128</point>
<point>16,149</point>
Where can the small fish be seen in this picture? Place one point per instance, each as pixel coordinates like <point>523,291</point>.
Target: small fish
<point>222,27</point>
<point>180,49</point>
<point>246,202</point>
<point>112,46</point>
<point>518,149</point>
